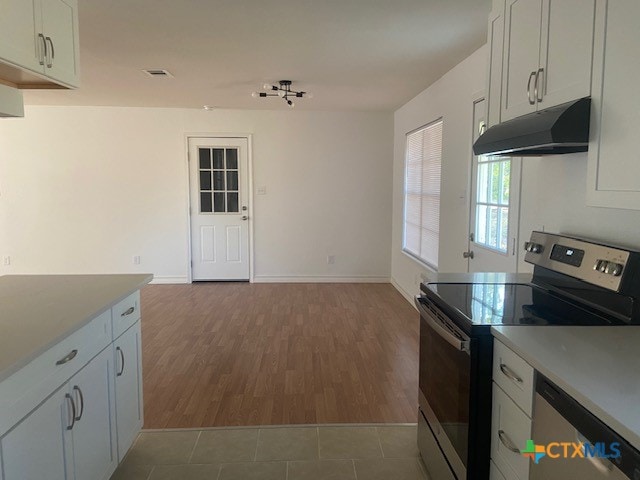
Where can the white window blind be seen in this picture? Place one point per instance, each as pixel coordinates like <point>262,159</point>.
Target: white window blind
<point>422,193</point>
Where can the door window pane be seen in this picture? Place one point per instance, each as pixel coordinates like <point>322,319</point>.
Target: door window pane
<point>205,180</point>
<point>205,202</point>
<point>218,158</point>
<point>218,202</point>
<point>492,202</point>
<point>232,203</point>
<point>232,180</point>
<point>218,180</point>
<point>205,158</point>
<point>232,158</point>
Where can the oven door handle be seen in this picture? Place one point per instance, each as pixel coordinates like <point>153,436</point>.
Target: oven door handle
<point>448,336</point>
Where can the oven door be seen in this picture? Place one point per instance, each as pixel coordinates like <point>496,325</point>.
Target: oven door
<point>445,384</point>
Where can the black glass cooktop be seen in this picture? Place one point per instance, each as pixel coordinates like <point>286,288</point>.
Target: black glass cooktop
<point>486,304</point>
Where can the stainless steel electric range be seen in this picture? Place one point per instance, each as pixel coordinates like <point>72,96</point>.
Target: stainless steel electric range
<point>575,282</point>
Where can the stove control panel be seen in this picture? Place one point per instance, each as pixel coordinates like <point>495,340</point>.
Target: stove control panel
<point>598,264</point>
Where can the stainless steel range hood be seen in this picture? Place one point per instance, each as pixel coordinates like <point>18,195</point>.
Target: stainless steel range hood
<point>554,131</point>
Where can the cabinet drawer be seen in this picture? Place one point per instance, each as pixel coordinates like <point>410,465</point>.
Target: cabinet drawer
<point>514,375</point>
<point>25,389</point>
<point>510,430</point>
<point>125,314</point>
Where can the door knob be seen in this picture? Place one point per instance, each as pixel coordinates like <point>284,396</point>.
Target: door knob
<point>468,254</point>
<point>244,217</point>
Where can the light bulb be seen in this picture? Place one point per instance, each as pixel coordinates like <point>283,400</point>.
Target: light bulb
<point>291,104</point>
<point>266,86</point>
<point>255,94</point>
<point>281,93</point>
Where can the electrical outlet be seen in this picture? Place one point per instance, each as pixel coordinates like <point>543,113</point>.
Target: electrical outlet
<point>6,260</point>
<point>136,259</point>
<point>331,259</point>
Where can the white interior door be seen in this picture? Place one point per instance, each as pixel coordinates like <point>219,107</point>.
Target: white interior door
<point>494,215</point>
<point>219,193</point>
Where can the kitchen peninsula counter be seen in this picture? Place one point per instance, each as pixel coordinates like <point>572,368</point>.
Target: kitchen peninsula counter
<point>598,366</point>
<point>38,311</point>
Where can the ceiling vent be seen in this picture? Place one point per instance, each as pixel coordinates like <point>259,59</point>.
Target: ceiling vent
<point>157,73</point>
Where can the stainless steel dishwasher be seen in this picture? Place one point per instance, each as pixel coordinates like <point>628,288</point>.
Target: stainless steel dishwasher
<point>558,420</point>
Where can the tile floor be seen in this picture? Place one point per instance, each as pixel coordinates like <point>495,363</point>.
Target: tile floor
<point>367,452</point>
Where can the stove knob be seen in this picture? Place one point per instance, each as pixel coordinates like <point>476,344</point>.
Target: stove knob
<point>596,266</point>
<point>614,269</point>
<point>533,247</point>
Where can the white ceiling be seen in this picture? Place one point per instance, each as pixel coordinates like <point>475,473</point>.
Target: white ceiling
<point>351,54</point>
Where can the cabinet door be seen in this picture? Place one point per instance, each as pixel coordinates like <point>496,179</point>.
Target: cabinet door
<point>19,42</point>
<point>614,159</point>
<point>128,388</point>
<point>495,39</point>
<point>94,434</point>
<point>567,51</point>
<point>60,27</point>
<point>523,21</point>
<point>40,446</point>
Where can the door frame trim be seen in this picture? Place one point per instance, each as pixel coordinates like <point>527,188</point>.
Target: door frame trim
<point>217,135</point>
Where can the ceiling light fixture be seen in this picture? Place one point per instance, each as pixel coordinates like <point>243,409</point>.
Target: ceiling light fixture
<point>283,90</point>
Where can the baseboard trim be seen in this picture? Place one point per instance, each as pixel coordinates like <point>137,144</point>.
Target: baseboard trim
<point>318,279</point>
<point>168,280</point>
<point>404,293</point>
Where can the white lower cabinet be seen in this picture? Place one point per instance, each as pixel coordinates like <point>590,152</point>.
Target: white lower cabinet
<point>94,434</point>
<point>495,473</point>
<point>71,435</point>
<point>40,446</point>
<point>127,349</point>
<point>83,429</point>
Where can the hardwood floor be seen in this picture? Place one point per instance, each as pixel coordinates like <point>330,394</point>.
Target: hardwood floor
<point>226,354</point>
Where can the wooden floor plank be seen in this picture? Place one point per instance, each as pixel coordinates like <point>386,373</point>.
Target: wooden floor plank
<point>228,354</point>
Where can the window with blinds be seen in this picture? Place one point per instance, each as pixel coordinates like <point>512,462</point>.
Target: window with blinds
<point>422,193</point>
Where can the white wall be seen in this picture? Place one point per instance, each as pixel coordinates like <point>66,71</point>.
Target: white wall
<point>83,189</point>
<point>452,99</point>
<point>554,199</point>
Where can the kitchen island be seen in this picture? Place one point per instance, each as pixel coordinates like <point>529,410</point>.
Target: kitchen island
<point>70,374</point>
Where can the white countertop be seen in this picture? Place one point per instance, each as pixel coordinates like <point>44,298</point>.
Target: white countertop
<point>598,366</point>
<point>38,311</point>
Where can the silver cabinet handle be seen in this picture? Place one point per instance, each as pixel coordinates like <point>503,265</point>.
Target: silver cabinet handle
<point>128,311</point>
<point>244,217</point>
<point>506,441</point>
<point>468,254</point>
<point>68,357</point>
<point>73,411</point>
<point>81,402</point>
<point>539,73</point>
<point>119,350</point>
<point>510,374</point>
<point>43,51</point>
<point>531,101</point>
<point>53,53</point>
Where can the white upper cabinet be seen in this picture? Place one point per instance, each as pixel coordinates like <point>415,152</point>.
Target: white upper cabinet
<point>18,35</point>
<point>523,22</point>
<point>59,27</point>
<point>566,51</point>
<point>39,43</point>
<point>548,51</point>
<point>614,158</point>
<point>495,40</point>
